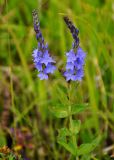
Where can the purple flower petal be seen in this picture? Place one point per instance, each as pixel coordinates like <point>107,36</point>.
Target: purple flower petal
<point>71,56</point>
<point>80,53</point>
<point>68,74</point>
<point>46,58</point>
<point>39,66</point>
<point>42,76</point>
<point>35,53</point>
<point>49,68</point>
<point>70,65</point>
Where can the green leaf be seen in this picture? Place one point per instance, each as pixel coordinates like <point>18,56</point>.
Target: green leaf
<point>86,157</point>
<point>63,132</point>
<point>69,147</point>
<point>75,126</point>
<point>76,108</point>
<point>65,140</point>
<point>60,111</point>
<point>88,147</point>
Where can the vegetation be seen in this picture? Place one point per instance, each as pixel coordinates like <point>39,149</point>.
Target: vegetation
<point>29,117</point>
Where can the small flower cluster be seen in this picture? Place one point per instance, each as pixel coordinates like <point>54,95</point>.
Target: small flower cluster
<point>74,66</point>
<point>75,57</point>
<point>42,60</point>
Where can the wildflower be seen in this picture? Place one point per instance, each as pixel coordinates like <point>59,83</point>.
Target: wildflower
<point>75,57</point>
<point>44,63</point>
<point>74,66</point>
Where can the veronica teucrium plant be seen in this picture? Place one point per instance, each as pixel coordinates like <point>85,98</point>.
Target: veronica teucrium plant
<point>74,71</point>
<point>68,136</point>
<point>44,63</point>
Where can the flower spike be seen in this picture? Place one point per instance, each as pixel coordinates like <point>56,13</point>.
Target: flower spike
<point>75,57</point>
<point>41,57</point>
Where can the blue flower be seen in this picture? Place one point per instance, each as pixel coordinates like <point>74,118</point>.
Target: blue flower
<point>44,63</point>
<point>46,58</point>
<point>75,57</point>
<point>49,68</point>
<point>74,66</point>
<point>71,57</point>
<point>68,74</point>
<point>37,55</point>
<point>70,66</point>
<point>42,75</point>
<point>38,66</point>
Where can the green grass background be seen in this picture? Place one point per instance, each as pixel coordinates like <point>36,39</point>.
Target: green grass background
<point>30,98</point>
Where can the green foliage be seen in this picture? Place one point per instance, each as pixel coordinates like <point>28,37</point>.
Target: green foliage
<point>67,136</point>
<point>77,108</point>
<point>75,126</point>
<point>87,148</point>
<point>65,139</point>
<point>62,111</point>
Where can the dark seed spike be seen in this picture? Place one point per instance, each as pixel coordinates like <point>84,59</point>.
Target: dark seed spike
<point>73,30</point>
<point>70,25</point>
<point>35,21</point>
<point>35,16</point>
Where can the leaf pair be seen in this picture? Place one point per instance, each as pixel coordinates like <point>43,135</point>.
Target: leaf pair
<point>62,111</point>
<point>65,139</point>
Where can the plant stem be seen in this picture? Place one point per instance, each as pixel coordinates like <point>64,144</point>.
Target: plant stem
<point>71,128</point>
<point>73,136</point>
<point>70,122</point>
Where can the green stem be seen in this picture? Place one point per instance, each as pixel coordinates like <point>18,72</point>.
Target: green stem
<point>70,120</point>
<point>70,127</point>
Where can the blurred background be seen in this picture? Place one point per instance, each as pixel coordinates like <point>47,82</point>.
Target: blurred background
<point>26,124</point>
